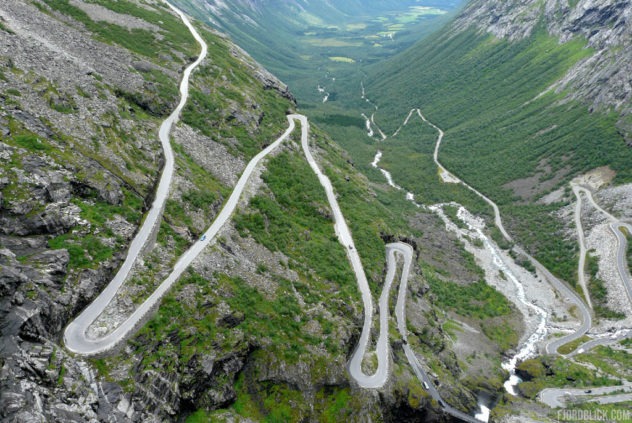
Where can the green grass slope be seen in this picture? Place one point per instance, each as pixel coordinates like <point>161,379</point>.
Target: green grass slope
<point>502,124</point>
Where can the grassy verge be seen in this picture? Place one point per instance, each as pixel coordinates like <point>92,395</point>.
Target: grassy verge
<point>294,218</point>
<point>572,346</point>
<point>232,107</point>
<point>477,301</point>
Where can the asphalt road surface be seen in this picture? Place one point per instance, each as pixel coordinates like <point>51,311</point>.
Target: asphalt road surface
<point>75,334</point>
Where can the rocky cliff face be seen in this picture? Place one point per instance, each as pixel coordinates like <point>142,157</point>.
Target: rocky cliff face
<point>602,79</point>
<point>80,103</point>
<point>65,144</point>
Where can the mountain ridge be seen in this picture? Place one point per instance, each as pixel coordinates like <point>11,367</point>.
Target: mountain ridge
<point>604,78</point>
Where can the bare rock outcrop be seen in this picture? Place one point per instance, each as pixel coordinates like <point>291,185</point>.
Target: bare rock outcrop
<point>602,79</point>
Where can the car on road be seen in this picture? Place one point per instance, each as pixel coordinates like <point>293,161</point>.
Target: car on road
<point>425,386</point>
<point>203,237</point>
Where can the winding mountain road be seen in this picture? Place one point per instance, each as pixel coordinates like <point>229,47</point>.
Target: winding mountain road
<point>77,340</point>
<point>75,336</point>
<point>450,177</point>
<point>343,233</point>
<point>568,294</point>
<point>406,251</point>
<point>581,267</point>
<point>616,226</point>
<point>622,261</point>
<point>559,397</point>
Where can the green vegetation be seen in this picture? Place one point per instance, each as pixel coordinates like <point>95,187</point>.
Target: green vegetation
<point>85,251</point>
<point>627,342</point>
<point>501,334</point>
<point>295,220</point>
<point>199,199</point>
<point>31,142</point>
<point>297,45</point>
<point>203,199</point>
<point>290,214</point>
<point>522,261</point>
<point>168,237</point>
<point>614,362</point>
<point>451,212</point>
<point>273,403</point>
<point>89,246</point>
<point>408,157</point>
<point>61,374</point>
<point>484,93</point>
<point>599,292</point>
<point>172,34</point>
<point>89,250</point>
<point>477,299</point>
<point>97,212</point>
<point>237,109</point>
<point>550,371</point>
<point>259,317</point>
<point>451,327</point>
<point>337,404</point>
<point>541,230</point>
<point>4,28</point>
<point>195,326</point>
<point>368,219</point>
<point>57,99</point>
<point>572,346</point>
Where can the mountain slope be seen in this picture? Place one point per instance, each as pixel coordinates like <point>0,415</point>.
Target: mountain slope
<point>521,96</point>
<point>85,86</point>
<point>262,323</point>
<point>604,79</point>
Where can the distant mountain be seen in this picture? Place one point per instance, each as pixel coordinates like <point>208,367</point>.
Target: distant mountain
<point>524,89</point>
<point>605,77</point>
<point>295,39</point>
<point>325,10</point>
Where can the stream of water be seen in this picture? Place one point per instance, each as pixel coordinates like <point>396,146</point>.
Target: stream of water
<point>528,348</point>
